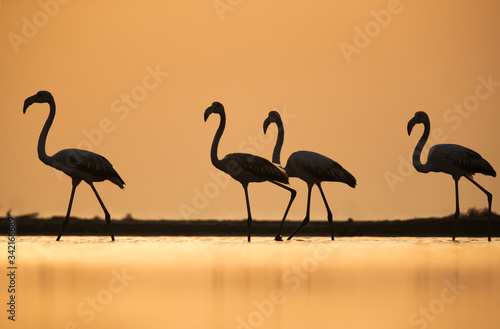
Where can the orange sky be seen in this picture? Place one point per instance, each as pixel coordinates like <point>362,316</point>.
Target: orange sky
<point>131,82</point>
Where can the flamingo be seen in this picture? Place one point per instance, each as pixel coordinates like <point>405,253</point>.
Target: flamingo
<point>313,168</point>
<point>246,168</point>
<point>77,164</point>
<point>451,159</point>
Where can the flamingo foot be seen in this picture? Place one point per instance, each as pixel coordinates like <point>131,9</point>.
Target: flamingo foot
<point>278,238</point>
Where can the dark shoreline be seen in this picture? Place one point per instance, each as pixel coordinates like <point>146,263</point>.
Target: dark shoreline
<point>470,226</point>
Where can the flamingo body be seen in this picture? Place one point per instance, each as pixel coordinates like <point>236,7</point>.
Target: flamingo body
<point>248,168</point>
<point>315,168</point>
<point>85,165</point>
<point>457,160</point>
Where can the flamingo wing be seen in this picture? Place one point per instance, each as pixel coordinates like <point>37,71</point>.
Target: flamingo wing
<point>460,158</point>
<point>86,165</point>
<point>318,166</point>
<point>248,167</point>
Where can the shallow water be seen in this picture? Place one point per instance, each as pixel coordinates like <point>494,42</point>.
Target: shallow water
<point>225,282</point>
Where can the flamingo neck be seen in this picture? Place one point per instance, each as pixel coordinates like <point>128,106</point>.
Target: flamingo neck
<point>418,150</point>
<point>279,143</point>
<point>42,155</point>
<point>215,144</point>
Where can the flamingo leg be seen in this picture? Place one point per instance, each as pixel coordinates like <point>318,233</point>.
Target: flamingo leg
<point>306,219</point>
<point>106,213</point>
<point>66,220</point>
<point>249,220</point>
<point>490,199</point>
<point>292,197</point>
<point>457,211</point>
<point>330,215</point>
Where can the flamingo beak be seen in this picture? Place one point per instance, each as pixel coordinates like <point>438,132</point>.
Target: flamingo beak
<point>267,122</point>
<point>410,126</point>
<point>28,102</point>
<point>208,111</point>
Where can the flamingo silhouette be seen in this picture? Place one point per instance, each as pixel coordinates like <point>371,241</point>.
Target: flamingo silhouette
<point>246,168</point>
<point>313,168</point>
<point>77,164</point>
<point>451,159</point>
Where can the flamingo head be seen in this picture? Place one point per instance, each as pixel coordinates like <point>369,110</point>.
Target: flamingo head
<point>273,116</point>
<point>215,108</point>
<point>40,97</point>
<point>420,117</point>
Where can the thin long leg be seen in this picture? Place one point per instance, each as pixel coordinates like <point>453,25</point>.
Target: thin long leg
<point>249,219</point>
<point>106,213</point>
<point>457,211</point>
<point>490,199</point>
<point>306,219</point>
<point>66,220</point>
<point>292,197</point>
<point>330,216</point>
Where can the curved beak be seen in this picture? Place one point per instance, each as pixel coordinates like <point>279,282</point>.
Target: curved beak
<point>208,111</point>
<point>28,102</point>
<point>410,126</point>
<point>267,122</point>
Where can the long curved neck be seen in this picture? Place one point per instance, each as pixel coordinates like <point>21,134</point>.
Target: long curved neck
<point>418,149</point>
<point>215,144</point>
<point>279,143</point>
<point>42,155</point>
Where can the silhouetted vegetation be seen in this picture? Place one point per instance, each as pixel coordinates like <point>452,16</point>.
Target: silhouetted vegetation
<point>473,224</point>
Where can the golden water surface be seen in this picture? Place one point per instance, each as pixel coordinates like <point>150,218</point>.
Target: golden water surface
<point>225,282</point>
